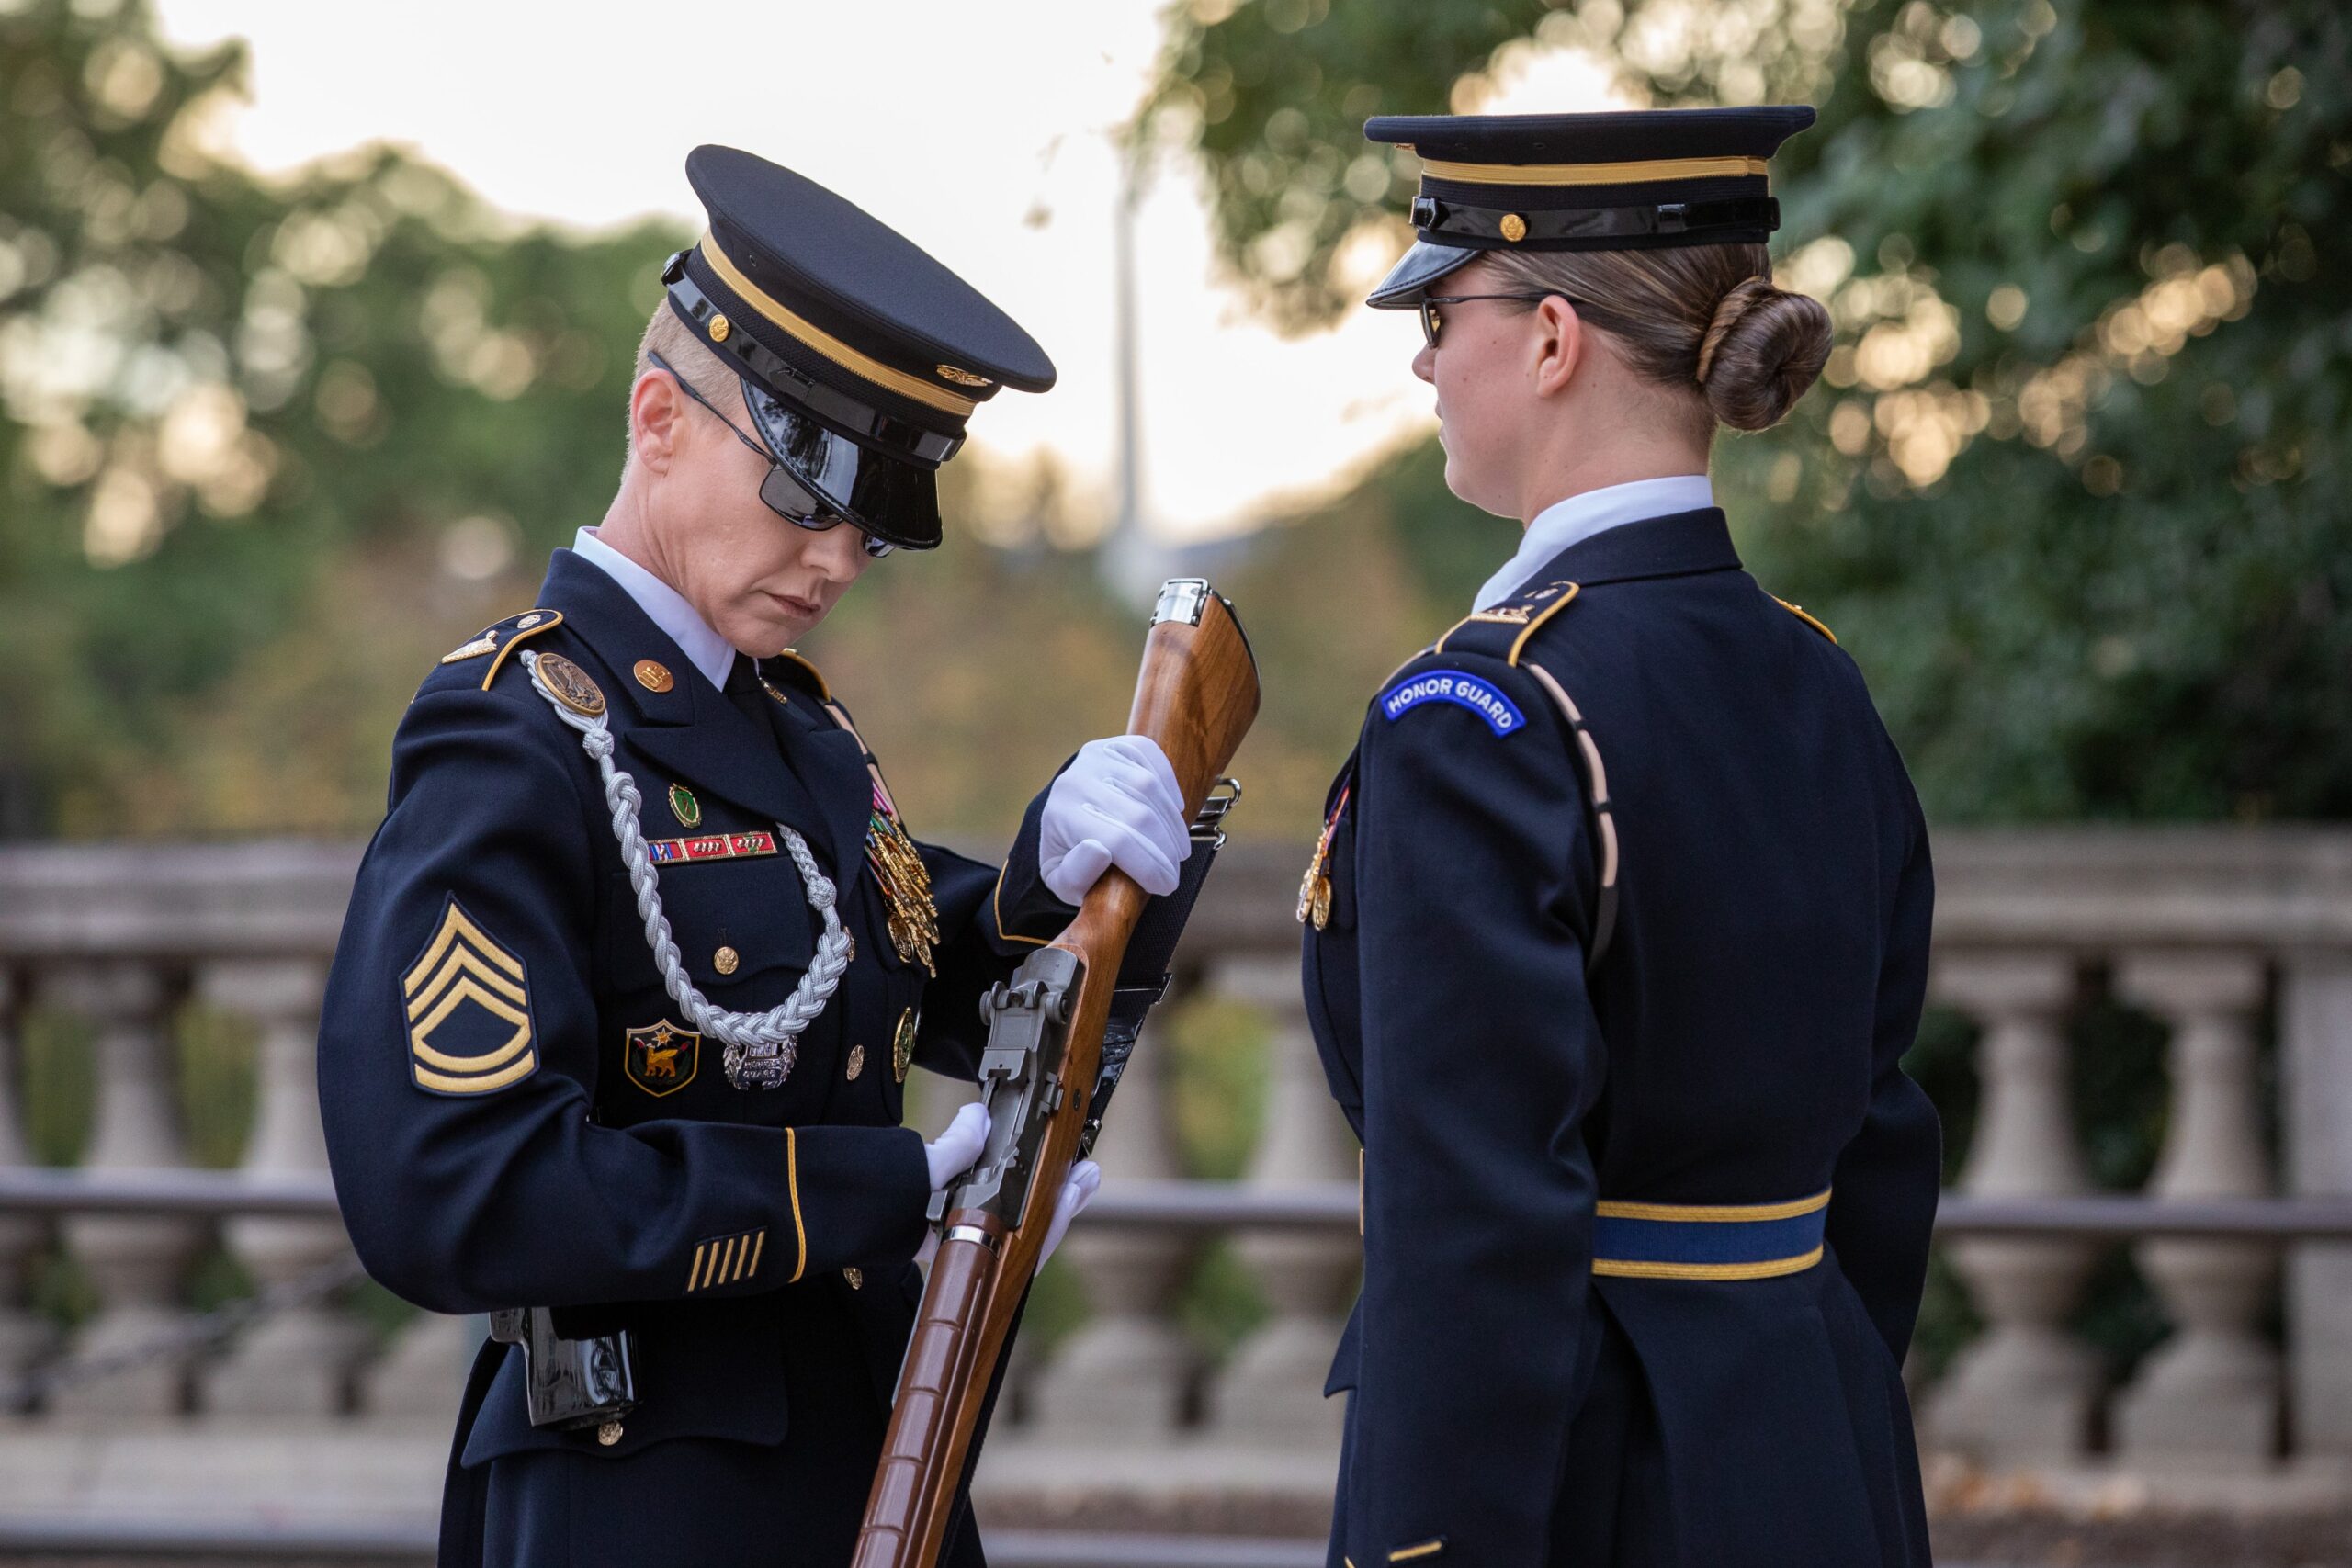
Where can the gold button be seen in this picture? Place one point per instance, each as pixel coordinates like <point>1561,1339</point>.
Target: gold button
<point>1514,227</point>
<point>856,1278</point>
<point>653,676</point>
<point>856,1062</point>
<point>726,960</point>
<point>609,1433</point>
<point>719,328</point>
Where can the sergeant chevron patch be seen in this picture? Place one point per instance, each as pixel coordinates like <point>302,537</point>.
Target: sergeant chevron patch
<point>468,1004</point>
<point>1458,687</point>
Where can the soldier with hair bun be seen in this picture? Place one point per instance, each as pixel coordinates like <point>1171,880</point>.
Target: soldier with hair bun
<point>1617,927</point>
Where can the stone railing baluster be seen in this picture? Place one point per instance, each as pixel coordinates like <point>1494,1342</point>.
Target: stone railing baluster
<point>23,1336</point>
<point>1271,1391</point>
<point>297,1362</point>
<point>2025,1391</point>
<point>2209,1397</point>
<point>136,1262</point>
<point>2315,1105</point>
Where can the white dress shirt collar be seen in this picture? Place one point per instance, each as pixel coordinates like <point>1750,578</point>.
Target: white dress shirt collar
<point>664,606</point>
<point>1579,518</point>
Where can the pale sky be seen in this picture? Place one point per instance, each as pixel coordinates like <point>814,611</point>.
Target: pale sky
<point>949,120</point>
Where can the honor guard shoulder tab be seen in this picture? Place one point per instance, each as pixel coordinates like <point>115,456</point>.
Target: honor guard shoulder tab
<point>1799,611</point>
<point>477,660</point>
<point>1502,631</point>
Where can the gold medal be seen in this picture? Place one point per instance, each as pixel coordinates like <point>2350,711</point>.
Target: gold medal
<point>905,882</point>
<point>902,1045</point>
<point>1314,887</point>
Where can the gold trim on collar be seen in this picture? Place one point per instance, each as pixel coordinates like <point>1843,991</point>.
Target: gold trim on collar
<point>824,342</point>
<point>1589,174</point>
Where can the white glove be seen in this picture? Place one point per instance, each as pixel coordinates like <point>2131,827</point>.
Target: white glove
<point>952,1154</point>
<point>1116,803</point>
<point>1079,1188</point>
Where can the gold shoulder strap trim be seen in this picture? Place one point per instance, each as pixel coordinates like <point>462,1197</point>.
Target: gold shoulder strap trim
<point>824,691</point>
<point>1798,611</point>
<point>1510,613</point>
<point>1554,608</point>
<point>547,621</point>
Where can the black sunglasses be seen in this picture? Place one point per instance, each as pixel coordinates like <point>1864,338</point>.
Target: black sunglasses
<point>782,489</point>
<point>1432,324</point>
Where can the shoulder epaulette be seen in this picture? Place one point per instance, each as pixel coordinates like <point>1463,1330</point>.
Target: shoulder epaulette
<point>501,637</point>
<point>795,669</point>
<point>1502,630</point>
<point>1798,611</point>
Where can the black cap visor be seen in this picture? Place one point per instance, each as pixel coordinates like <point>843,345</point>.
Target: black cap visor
<point>1415,271</point>
<point>894,501</point>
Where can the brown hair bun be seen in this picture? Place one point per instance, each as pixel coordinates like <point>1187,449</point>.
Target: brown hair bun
<point>1761,350</point>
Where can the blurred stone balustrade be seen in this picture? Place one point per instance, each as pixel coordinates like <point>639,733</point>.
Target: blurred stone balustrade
<point>2238,943</point>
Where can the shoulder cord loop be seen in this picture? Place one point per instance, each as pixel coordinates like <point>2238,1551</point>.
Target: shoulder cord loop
<point>760,1046</point>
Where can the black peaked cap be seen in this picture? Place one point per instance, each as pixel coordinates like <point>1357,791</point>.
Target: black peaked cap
<point>1629,180</point>
<point>862,356</point>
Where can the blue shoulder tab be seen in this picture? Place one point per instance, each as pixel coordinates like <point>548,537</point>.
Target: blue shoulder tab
<point>1459,687</point>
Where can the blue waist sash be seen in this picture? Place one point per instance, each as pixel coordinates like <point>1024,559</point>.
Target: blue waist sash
<point>1709,1241</point>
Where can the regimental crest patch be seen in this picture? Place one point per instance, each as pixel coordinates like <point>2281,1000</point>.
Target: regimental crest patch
<point>660,1058</point>
<point>467,1002</point>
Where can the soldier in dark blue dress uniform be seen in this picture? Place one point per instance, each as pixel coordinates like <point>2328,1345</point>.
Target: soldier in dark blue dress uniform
<point>1618,929</point>
<point>637,963</point>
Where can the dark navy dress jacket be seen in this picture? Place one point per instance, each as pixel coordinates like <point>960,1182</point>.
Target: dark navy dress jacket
<point>1518,1396</point>
<point>518,1114</point>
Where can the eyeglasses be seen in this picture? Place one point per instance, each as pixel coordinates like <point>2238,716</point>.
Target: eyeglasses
<point>1431,325</point>
<point>782,489</point>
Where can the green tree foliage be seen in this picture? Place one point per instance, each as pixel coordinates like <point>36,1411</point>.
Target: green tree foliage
<point>269,446</point>
<point>2072,489</point>
<point>266,447</point>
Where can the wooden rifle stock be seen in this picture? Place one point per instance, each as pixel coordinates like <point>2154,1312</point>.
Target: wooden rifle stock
<point>1196,696</point>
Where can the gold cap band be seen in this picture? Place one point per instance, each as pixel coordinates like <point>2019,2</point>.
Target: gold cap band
<point>1591,174</point>
<point>813,336</point>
